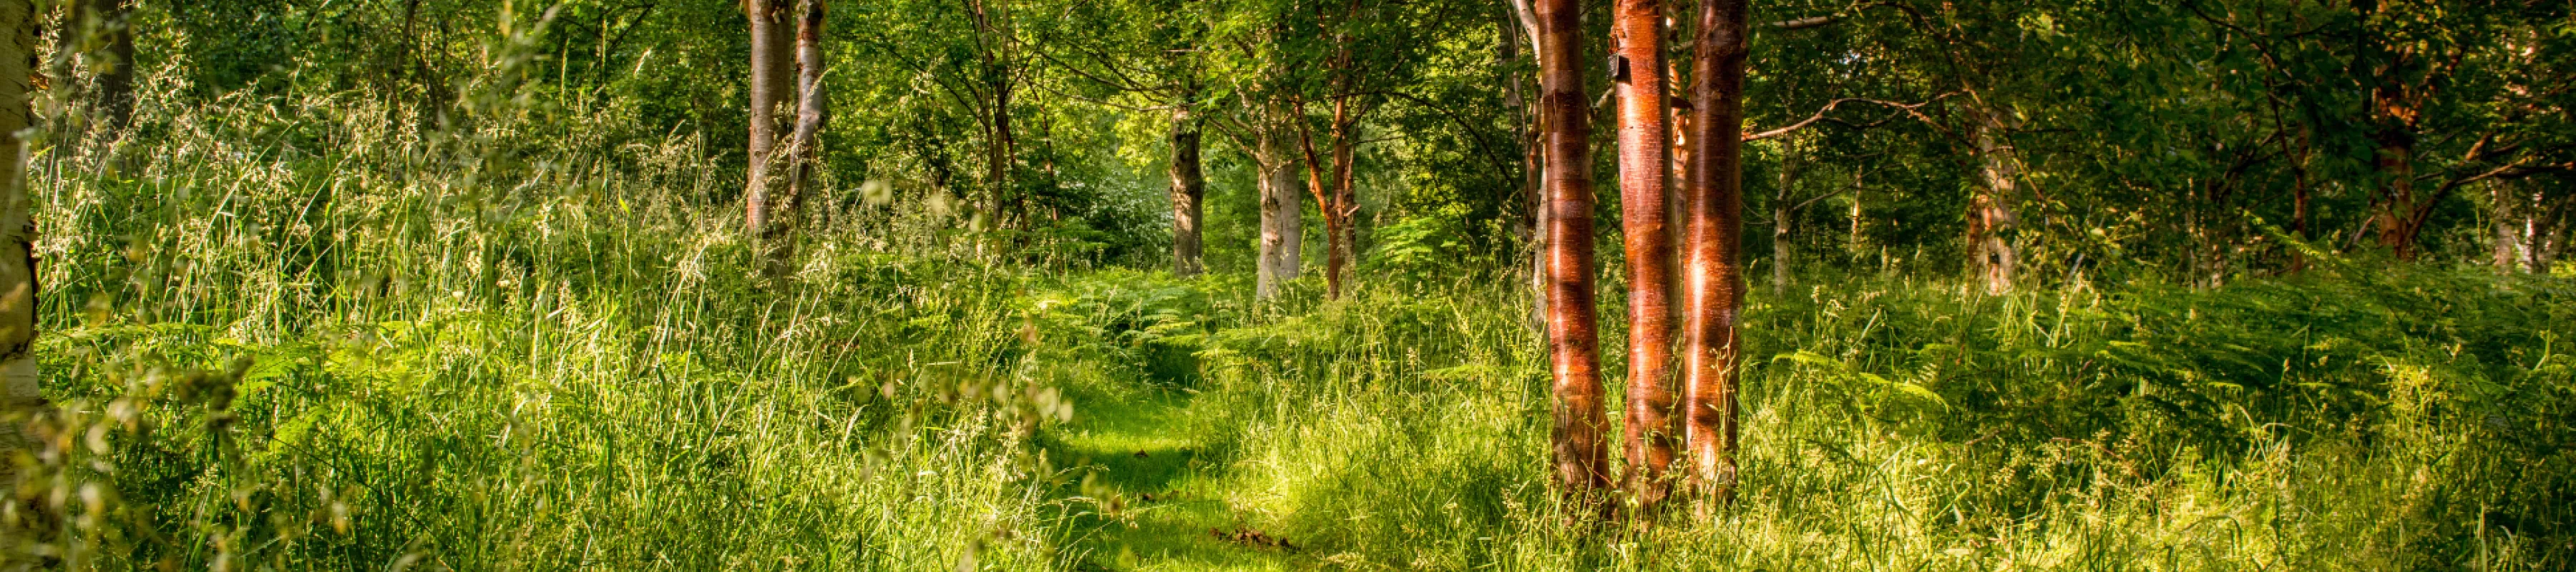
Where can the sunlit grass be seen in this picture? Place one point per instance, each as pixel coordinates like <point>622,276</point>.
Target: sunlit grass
<point>317,338</point>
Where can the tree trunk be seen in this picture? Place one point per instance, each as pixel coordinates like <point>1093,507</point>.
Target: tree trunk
<point>2513,223</point>
<point>993,44</point>
<point>998,159</point>
<point>1714,273</point>
<point>1189,186</point>
<point>2547,230</point>
<point>20,399</point>
<point>2389,67</point>
<point>1533,222</point>
<point>1990,214</point>
<point>1282,218</point>
<point>1781,231</point>
<point>2394,159</point>
<point>1581,454</point>
<point>1534,155</point>
<point>1341,238</point>
<point>1644,168</point>
<point>805,144</point>
<point>771,91</point>
<point>2299,224</point>
<point>2550,236</point>
<point>1858,242</point>
<point>1334,194</point>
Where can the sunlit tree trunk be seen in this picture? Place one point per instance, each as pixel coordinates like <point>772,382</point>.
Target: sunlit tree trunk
<point>1857,242</point>
<point>1990,215</point>
<point>1580,448</point>
<point>1341,240</point>
<point>2394,159</point>
<point>1335,196</point>
<point>1189,187</point>
<point>2389,68</point>
<point>1644,167</point>
<point>20,399</point>
<point>804,148</point>
<point>1282,218</point>
<point>772,92</point>
<point>1713,271</point>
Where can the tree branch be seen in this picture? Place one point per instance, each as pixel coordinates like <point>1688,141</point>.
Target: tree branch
<point>1906,108</point>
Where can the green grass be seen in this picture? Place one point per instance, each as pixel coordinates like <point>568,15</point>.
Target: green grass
<point>330,344</point>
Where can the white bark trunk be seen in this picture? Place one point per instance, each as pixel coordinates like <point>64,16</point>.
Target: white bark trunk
<point>20,398</point>
<point>1282,218</point>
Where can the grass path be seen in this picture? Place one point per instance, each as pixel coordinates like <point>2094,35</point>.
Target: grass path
<point>1156,489</point>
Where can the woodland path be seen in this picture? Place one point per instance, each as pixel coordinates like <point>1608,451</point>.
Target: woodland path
<point>1156,492</point>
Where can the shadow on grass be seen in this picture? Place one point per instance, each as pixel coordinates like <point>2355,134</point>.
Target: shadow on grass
<point>1149,489</point>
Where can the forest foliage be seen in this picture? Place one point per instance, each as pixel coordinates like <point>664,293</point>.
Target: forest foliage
<point>463,284</point>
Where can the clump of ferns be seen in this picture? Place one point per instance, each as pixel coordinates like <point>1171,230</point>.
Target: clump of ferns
<point>68,503</point>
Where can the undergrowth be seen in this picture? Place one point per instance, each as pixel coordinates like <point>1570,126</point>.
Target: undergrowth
<point>295,333</point>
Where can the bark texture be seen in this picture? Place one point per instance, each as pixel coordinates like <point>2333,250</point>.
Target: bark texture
<point>1581,452</point>
<point>805,145</point>
<point>1714,275</point>
<point>1189,187</point>
<point>772,91</point>
<point>1282,218</point>
<point>1990,214</point>
<point>1783,215</point>
<point>1644,166</point>
<point>20,399</point>
<point>1336,195</point>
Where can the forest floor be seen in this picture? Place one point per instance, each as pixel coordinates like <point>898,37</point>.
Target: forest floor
<point>1156,499</point>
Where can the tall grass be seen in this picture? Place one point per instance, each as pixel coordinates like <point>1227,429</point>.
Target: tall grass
<point>2399,420</point>
<point>297,332</point>
<point>303,332</point>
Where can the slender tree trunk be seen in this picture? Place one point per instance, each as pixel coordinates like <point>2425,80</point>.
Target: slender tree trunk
<point>1581,451</point>
<point>2512,223</point>
<point>1282,217</point>
<point>1714,273</point>
<point>2386,65</point>
<point>1189,186</point>
<point>2394,159</point>
<point>994,42</point>
<point>1782,233</point>
<point>2550,236</point>
<point>1858,242</point>
<point>1532,230</point>
<point>1341,240</point>
<point>998,160</point>
<point>1534,155</point>
<point>1644,168</point>
<point>1990,215</point>
<point>1333,194</point>
<point>2299,224</point>
<point>804,147</point>
<point>20,399</point>
<point>2546,231</point>
<point>771,92</point>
